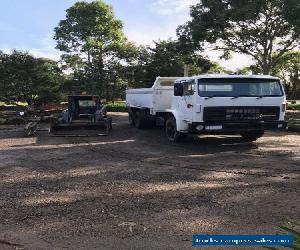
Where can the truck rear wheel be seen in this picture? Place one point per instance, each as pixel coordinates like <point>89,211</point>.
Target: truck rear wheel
<point>138,120</point>
<point>171,131</point>
<point>131,118</point>
<point>252,136</point>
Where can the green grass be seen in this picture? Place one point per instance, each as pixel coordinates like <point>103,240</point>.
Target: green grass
<point>23,104</point>
<point>292,229</point>
<point>293,107</point>
<point>116,107</point>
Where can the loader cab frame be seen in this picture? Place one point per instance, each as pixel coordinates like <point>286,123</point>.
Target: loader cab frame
<point>83,106</point>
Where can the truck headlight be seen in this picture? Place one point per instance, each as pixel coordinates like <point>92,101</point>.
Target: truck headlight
<point>283,107</point>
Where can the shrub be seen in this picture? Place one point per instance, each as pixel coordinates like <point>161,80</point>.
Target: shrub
<point>116,107</point>
<point>293,107</point>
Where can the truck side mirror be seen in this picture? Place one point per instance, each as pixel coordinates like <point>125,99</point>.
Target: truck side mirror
<point>178,89</point>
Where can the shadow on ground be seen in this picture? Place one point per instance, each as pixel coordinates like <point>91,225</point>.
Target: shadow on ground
<point>136,189</point>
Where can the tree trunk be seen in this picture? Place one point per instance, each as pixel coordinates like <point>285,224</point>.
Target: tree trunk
<point>101,75</point>
<point>266,67</point>
<point>295,80</point>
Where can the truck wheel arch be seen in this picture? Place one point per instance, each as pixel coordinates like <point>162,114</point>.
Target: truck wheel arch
<point>181,125</point>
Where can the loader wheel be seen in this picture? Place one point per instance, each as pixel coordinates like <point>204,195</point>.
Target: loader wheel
<point>252,136</point>
<point>138,120</point>
<point>172,133</point>
<point>108,128</point>
<point>131,119</point>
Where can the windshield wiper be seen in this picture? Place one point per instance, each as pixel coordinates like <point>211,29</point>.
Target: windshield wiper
<point>238,96</point>
<point>213,96</point>
<point>262,96</point>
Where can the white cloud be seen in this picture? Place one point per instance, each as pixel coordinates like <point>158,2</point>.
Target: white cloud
<point>176,12</point>
<point>238,61</point>
<point>47,49</point>
<point>169,7</point>
<point>154,33</point>
<point>45,52</point>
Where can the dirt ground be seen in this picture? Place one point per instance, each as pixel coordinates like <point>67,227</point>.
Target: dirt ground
<point>136,190</point>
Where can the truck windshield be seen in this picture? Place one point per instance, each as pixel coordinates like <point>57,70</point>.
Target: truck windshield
<point>239,87</point>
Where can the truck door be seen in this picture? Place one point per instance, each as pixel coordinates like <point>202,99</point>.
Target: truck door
<point>186,101</point>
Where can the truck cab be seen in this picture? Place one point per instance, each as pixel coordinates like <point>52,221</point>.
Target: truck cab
<point>246,105</point>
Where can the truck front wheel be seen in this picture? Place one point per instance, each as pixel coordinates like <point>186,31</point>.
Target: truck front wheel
<point>252,136</point>
<point>171,131</point>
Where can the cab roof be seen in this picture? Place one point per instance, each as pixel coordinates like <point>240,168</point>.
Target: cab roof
<point>226,76</point>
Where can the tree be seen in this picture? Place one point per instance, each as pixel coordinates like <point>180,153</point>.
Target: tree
<point>137,72</point>
<point>167,58</point>
<point>4,75</point>
<point>27,79</point>
<point>93,36</point>
<point>258,28</point>
<point>288,69</point>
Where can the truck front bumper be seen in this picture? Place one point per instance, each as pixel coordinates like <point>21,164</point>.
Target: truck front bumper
<point>234,127</point>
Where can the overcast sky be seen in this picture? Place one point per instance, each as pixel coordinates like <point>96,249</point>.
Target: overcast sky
<point>29,24</point>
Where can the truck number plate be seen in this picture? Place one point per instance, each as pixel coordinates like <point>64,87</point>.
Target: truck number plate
<point>213,127</point>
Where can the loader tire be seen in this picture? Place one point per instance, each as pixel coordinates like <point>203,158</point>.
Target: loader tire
<point>110,128</point>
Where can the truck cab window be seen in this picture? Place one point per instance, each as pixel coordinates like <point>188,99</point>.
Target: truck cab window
<point>167,83</point>
<point>188,88</point>
<point>240,87</point>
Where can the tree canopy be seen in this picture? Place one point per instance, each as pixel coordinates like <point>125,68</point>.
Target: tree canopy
<point>93,40</point>
<point>28,79</point>
<point>288,69</point>
<point>258,28</point>
<point>98,58</point>
<point>166,58</point>
<point>103,61</point>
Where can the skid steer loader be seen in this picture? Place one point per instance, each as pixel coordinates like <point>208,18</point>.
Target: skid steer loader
<point>85,116</point>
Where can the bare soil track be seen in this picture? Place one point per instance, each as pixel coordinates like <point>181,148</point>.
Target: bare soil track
<point>136,190</point>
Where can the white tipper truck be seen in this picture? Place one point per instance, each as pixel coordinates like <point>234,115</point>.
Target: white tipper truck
<point>210,104</point>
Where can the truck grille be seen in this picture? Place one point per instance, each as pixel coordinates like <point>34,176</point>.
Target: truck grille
<point>212,114</point>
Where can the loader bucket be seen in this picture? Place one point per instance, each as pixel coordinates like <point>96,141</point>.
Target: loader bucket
<point>81,129</point>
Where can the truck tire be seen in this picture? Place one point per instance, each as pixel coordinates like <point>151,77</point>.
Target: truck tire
<point>172,133</point>
<point>131,119</point>
<point>138,120</point>
<point>252,136</point>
